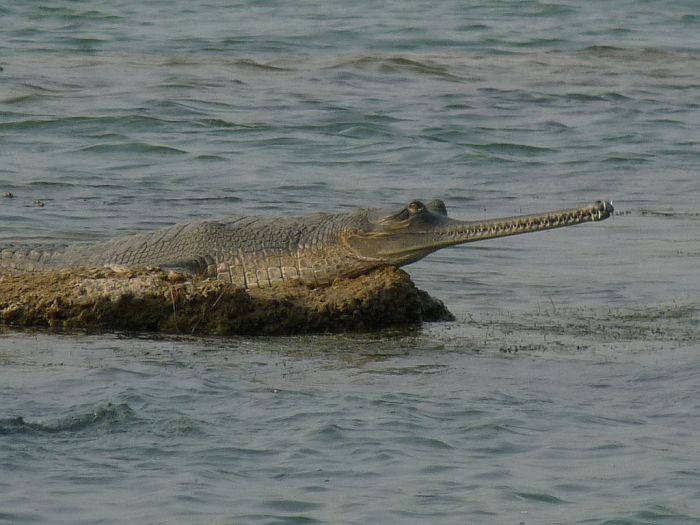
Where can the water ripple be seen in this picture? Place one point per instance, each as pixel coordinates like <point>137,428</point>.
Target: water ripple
<point>135,148</point>
<point>107,416</point>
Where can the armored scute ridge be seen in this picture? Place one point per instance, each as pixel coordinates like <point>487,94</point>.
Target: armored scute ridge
<point>314,250</point>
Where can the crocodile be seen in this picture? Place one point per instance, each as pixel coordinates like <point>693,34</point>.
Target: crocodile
<point>315,250</point>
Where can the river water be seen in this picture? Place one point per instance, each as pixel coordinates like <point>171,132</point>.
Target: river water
<point>567,390</point>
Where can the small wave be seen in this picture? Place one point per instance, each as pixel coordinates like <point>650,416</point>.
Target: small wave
<point>399,64</point>
<point>587,97</point>
<point>628,159</point>
<point>107,415</point>
<point>646,54</point>
<point>512,149</point>
<point>83,42</point>
<point>304,186</point>
<point>222,198</point>
<point>252,64</point>
<point>20,99</point>
<point>604,51</point>
<point>648,212</point>
<point>218,123</point>
<point>277,141</point>
<point>52,184</point>
<point>194,106</point>
<point>293,506</point>
<point>423,442</point>
<point>66,13</point>
<point>354,129</point>
<point>472,27</point>
<point>134,147</point>
<point>129,122</point>
<point>211,158</point>
<point>540,497</point>
<point>543,43</point>
<point>29,124</point>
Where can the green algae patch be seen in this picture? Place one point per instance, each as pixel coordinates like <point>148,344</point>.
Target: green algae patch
<point>151,299</point>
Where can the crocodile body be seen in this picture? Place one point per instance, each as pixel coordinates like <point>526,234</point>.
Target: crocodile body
<point>259,252</point>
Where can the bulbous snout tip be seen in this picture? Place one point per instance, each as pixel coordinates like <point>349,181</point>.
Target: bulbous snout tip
<point>605,209</point>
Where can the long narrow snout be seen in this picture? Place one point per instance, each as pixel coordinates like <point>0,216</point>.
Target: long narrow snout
<point>449,232</point>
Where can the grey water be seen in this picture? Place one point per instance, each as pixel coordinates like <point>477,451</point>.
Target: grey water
<point>565,392</point>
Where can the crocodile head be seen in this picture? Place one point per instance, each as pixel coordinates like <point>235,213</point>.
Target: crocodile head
<point>400,237</point>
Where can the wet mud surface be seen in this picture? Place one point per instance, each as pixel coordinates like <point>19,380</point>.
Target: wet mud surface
<point>157,301</point>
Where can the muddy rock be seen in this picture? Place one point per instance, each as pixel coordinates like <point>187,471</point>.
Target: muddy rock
<point>151,299</point>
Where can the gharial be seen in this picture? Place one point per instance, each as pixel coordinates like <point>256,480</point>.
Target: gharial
<point>315,250</point>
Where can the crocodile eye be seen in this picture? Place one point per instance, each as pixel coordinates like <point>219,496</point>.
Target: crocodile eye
<point>416,207</point>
